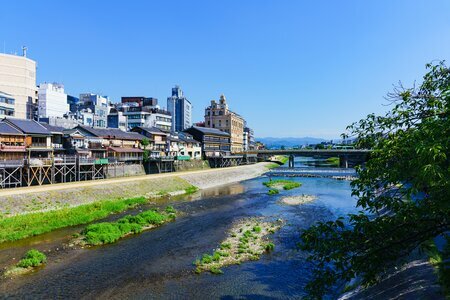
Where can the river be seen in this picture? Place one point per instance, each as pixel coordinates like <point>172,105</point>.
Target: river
<point>158,263</point>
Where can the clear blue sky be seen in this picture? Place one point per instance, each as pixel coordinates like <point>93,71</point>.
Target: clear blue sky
<point>291,68</point>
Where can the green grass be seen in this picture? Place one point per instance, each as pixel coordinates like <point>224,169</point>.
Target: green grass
<point>273,192</point>
<point>287,184</point>
<point>110,232</point>
<point>190,190</point>
<point>269,247</point>
<point>22,226</point>
<point>33,258</point>
<point>334,161</point>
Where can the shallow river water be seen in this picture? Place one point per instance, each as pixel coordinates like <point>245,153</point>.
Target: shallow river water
<point>158,263</point>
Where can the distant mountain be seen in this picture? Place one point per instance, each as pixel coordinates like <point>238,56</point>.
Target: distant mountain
<point>273,142</point>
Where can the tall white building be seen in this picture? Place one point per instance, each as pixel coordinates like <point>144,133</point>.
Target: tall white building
<point>52,100</point>
<point>18,80</point>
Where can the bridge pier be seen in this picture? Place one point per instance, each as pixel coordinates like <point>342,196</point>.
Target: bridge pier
<point>343,161</point>
<point>291,161</point>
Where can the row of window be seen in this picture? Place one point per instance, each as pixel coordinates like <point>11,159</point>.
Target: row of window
<point>6,100</point>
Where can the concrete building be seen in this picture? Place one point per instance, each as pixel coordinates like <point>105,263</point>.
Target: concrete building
<point>141,101</point>
<point>52,101</point>
<point>116,119</point>
<point>160,119</point>
<point>249,139</point>
<point>214,142</point>
<point>98,106</point>
<point>18,79</point>
<point>6,105</point>
<point>219,116</point>
<point>181,110</point>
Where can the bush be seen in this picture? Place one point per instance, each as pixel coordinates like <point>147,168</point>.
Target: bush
<point>32,258</point>
<point>170,210</point>
<point>273,192</point>
<point>269,247</point>
<point>257,229</point>
<point>103,233</point>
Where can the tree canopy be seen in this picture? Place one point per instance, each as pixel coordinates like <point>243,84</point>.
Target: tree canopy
<point>403,191</point>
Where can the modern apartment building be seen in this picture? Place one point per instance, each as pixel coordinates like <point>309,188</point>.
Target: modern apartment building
<point>181,110</point>
<point>6,105</point>
<point>98,106</point>
<point>219,116</point>
<point>18,80</point>
<point>52,100</point>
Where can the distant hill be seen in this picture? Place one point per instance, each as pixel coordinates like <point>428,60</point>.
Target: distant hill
<point>273,142</point>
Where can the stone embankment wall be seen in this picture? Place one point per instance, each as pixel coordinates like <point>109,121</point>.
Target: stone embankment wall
<point>124,170</point>
<point>190,165</point>
<point>50,197</point>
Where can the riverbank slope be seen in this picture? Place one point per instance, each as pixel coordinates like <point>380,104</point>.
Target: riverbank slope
<point>52,197</point>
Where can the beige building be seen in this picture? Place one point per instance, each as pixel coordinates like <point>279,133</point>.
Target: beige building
<point>18,79</point>
<point>217,115</point>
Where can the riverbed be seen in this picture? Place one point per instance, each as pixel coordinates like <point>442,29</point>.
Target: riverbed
<point>159,263</point>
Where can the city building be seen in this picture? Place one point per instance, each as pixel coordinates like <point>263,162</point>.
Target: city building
<point>219,116</point>
<point>249,139</point>
<point>18,80</point>
<point>181,110</point>
<point>157,140</point>
<point>6,105</point>
<point>141,101</point>
<point>38,140</point>
<point>12,143</point>
<point>74,103</point>
<point>116,119</point>
<point>214,142</point>
<point>159,118</point>
<point>114,144</point>
<point>98,106</point>
<point>52,101</point>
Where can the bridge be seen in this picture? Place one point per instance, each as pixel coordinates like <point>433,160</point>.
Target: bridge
<point>347,157</point>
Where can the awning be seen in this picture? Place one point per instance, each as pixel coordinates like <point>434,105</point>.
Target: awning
<point>82,151</point>
<point>125,150</point>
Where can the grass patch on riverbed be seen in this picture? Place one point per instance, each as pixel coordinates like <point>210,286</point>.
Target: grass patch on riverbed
<point>32,259</point>
<point>282,184</point>
<point>333,161</point>
<point>246,241</point>
<point>22,226</point>
<point>273,192</point>
<point>110,232</point>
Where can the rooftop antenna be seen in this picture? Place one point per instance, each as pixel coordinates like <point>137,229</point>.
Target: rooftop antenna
<point>24,51</point>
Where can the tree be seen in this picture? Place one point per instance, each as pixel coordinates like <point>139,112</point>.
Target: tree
<point>403,191</point>
<point>145,142</point>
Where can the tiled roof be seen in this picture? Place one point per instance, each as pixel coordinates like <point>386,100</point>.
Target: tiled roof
<point>152,130</point>
<point>28,126</point>
<point>207,130</point>
<point>52,129</point>
<point>8,129</point>
<point>112,133</point>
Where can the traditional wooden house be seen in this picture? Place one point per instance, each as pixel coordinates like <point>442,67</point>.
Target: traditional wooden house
<point>12,143</point>
<point>215,143</point>
<point>38,140</point>
<point>113,144</point>
<point>157,140</point>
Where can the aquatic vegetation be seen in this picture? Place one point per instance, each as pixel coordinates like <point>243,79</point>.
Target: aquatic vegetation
<point>110,232</point>
<point>33,258</point>
<point>247,241</point>
<point>273,192</point>
<point>191,189</point>
<point>282,184</point>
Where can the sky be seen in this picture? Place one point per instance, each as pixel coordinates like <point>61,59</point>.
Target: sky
<point>290,68</point>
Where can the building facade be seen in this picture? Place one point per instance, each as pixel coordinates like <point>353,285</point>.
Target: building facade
<point>214,142</point>
<point>6,105</point>
<point>52,100</point>
<point>18,79</point>
<point>181,110</point>
<point>98,105</point>
<point>219,116</point>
